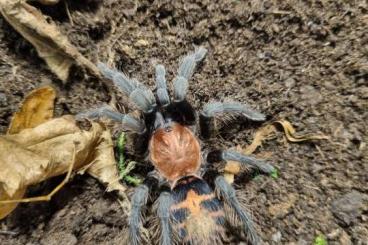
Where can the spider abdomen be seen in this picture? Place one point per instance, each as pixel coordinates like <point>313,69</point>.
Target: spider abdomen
<point>175,151</point>
<point>198,214</point>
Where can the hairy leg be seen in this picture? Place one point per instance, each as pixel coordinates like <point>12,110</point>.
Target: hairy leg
<point>228,193</point>
<point>165,201</point>
<point>185,71</point>
<point>128,122</point>
<point>223,110</point>
<point>142,97</point>
<point>162,94</point>
<point>138,201</point>
<point>249,161</point>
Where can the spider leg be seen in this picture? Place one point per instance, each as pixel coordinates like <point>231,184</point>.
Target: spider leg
<point>139,200</point>
<point>51,194</point>
<point>137,92</point>
<point>165,201</point>
<point>212,110</point>
<point>162,94</point>
<point>180,109</point>
<point>253,162</point>
<point>228,193</point>
<point>185,71</point>
<point>128,122</point>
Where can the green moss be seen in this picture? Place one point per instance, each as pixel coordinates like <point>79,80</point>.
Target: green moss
<point>320,240</point>
<point>274,174</point>
<point>123,167</point>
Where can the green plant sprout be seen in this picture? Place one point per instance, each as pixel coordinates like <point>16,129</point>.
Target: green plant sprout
<point>274,174</point>
<point>320,240</point>
<point>125,169</point>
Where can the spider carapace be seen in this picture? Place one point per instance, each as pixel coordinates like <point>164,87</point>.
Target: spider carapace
<point>188,209</point>
<point>175,151</point>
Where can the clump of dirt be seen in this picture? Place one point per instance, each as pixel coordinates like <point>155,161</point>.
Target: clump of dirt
<point>303,61</point>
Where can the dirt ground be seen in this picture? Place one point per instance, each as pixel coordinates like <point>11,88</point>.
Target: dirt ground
<point>304,61</point>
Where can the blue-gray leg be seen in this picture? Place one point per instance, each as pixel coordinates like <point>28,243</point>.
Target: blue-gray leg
<point>248,161</point>
<point>139,200</point>
<point>163,212</point>
<point>228,193</point>
<point>128,122</point>
<point>185,71</point>
<point>216,110</point>
<point>162,94</point>
<point>137,92</point>
<point>260,165</point>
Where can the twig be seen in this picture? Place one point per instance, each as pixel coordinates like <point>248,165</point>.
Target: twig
<point>11,233</point>
<point>68,13</point>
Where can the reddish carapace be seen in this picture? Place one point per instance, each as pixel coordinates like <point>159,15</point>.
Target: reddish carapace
<point>175,151</point>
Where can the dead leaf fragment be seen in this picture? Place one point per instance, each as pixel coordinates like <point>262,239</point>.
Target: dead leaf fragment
<point>291,135</point>
<point>36,154</point>
<point>43,148</point>
<point>50,43</point>
<point>6,209</point>
<point>269,130</point>
<point>104,166</point>
<point>265,133</point>
<point>38,107</point>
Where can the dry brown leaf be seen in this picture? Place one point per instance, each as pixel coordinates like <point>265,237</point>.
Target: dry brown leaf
<point>49,42</point>
<point>41,149</point>
<point>290,133</point>
<point>24,157</point>
<point>47,150</point>
<point>259,136</point>
<point>38,107</point>
<point>264,133</point>
<point>104,165</point>
<point>6,209</point>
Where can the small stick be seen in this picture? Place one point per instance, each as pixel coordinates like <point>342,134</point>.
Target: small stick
<point>68,13</point>
<point>11,233</point>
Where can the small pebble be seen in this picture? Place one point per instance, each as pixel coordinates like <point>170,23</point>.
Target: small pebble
<point>3,99</point>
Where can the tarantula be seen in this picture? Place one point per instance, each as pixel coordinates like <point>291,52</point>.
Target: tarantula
<point>188,209</point>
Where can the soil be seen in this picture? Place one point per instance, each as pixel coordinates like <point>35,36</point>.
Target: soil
<point>304,61</point>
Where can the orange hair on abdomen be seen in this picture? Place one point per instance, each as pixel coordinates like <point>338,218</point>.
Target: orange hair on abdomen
<point>198,214</point>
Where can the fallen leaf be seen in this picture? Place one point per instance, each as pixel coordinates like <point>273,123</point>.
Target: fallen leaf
<point>291,135</point>
<point>259,136</point>
<point>50,43</point>
<point>104,166</point>
<point>6,209</point>
<point>39,153</point>
<point>25,157</point>
<point>38,107</point>
<point>43,148</point>
<point>267,132</point>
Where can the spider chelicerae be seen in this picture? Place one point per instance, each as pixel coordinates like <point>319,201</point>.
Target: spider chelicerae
<point>188,209</point>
